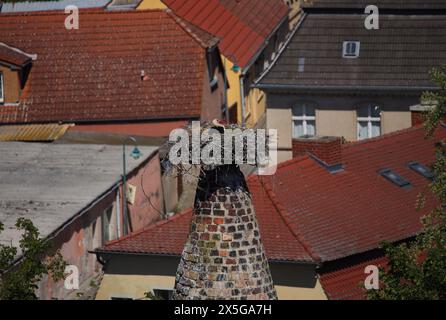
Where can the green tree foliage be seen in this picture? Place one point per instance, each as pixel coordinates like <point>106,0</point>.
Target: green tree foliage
<point>19,282</point>
<point>417,269</point>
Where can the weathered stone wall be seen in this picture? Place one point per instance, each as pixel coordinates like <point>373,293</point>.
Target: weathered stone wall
<point>224,256</point>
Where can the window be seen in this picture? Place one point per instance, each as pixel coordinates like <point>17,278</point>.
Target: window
<point>2,99</point>
<point>369,121</point>
<point>107,230</point>
<point>301,65</point>
<point>421,169</point>
<point>304,120</point>
<point>395,178</point>
<point>350,49</point>
<point>212,71</point>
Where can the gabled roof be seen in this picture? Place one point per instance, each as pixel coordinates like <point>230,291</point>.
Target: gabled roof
<point>352,211</point>
<point>94,73</point>
<point>307,214</point>
<point>382,4</point>
<point>242,26</point>
<point>398,56</point>
<point>203,37</point>
<point>169,236</point>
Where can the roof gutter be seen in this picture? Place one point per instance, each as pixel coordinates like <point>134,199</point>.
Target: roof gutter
<point>108,121</point>
<point>324,88</point>
<point>101,253</point>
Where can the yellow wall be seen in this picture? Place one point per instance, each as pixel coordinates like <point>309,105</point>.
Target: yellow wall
<point>341,123</point>
<point>151,4</point>
<point>395,120</point>
<point>11,85</point>
<point>233,87</point>
<point>296,293</point>
<point>134,286</point>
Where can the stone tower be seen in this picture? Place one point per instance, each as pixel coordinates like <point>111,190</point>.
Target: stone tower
<point>223,257</point>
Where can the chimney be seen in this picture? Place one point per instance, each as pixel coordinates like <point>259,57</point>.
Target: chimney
<point>326,150</point>
<point>223,257</point>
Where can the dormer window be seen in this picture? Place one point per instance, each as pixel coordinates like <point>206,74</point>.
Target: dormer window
<point>2,98</point>
<point>350,49</point>
<point>14,68</point>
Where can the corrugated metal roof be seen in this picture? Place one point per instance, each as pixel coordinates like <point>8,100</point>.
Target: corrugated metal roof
<point>33,132</point>
<point>50,183</point>
<point>52,5</point>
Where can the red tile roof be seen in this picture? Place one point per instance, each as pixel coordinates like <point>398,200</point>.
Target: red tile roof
<point>306,213</point>
<point>169,236</point>
<point>242,26</point>
<point>348,283</point>
<point>94,73</point>
<point>12,55</point>
<point>349,212</point>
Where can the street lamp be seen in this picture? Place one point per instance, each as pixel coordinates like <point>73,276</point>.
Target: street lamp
<point>135,154</point>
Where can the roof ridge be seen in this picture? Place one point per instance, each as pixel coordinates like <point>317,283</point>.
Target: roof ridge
<point>383,137</point>
<point>149,227</point>
<point>282,213</point>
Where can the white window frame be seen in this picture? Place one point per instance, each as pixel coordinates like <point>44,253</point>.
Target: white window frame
<point>370,120</point>
<point>2,89</point>
<point>347,55</point>
<point>304,119</point>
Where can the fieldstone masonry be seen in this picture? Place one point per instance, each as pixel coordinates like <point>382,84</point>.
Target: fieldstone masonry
<point>223,257</point>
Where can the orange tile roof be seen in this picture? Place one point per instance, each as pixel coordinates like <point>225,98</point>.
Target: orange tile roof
<point>94,73</point>
<point>352,211</point>
<point>169,236</point>
<point>242,26</point>
<point>308,214</point>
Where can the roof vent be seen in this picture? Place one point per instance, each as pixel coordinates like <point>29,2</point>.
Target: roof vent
<point>350,49</point>
<point>421,169</point>
<point>395,178</point>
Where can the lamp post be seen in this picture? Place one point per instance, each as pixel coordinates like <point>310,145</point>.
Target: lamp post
<point>136,154</point>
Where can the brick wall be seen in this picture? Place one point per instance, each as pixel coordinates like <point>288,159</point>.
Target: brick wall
<point>417,118</point>
<point>326,149</point>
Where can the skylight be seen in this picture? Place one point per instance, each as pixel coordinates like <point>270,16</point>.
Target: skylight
<point>421,169</point>
<point>350,49</point>
<point>395,178</point>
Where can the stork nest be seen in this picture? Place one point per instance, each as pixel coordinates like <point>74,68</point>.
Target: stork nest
<point>209,134</point>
